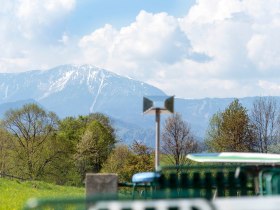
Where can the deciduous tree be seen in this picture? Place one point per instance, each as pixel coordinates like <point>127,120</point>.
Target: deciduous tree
<point>213,134</point>
<point>94,148</point>
<point>126,161</point>
<point>231,130</point>
<point>265,116</point>
<point>117,162</point>
<point>5,152</point>
<point>33,129</point>
<point>178,140</point>
<point>74,132</point>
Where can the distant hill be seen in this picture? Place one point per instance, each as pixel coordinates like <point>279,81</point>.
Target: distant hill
<point>72,90</point>
<point>13,105</point>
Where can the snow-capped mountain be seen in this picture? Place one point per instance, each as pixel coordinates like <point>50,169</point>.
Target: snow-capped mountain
<point>75,90</point>
<point>71,90</point>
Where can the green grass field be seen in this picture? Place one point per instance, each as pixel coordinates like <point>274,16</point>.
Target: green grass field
<point>14,194</point>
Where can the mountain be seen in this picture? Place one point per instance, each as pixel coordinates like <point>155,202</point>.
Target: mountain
<point>72,90</point>
<point>13,105</point>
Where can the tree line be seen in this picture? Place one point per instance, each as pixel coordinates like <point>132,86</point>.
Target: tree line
<point>37,145</point>
<point>237,130</point>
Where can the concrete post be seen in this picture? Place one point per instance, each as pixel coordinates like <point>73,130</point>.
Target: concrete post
<point>97,184</point>
<point>157,150</point>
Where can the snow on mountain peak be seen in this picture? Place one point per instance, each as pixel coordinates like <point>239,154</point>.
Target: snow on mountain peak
<point>58,85</point>
<point>82,80</point>
<point>73,90</point>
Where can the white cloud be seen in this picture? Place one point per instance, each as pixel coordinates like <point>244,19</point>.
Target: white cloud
<point>23,19</point>
<point>242,37</point>
<point>221,48</point>
<point>269,87</point>
<point>42,10</point>
<point>34,13</point>
<point>138,49</point>
<point>236,40</point>
<point>24,31</point>
<point>238,33</point>
<point>13,63</point>
<point>264,48</point>
<point>97,47</point>
<point>64,39</point>
<point>208,12</point>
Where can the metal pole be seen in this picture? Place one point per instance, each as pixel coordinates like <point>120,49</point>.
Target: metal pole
<point>157,139</point>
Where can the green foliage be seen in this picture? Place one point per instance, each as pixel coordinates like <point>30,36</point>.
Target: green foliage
<point>104,120</point>
<point>213,134</point>
<point>117,162</point>
<point>141,160</point>
<point>32,129</point>
<point>93,148</point>
<point>5,151</point>
<point>69,133</point>
<point>35,145</point>
<point>127,161</point>
<point>14,194</point>
<point>231,130</point>
<point>93,131</point>
<point>70,129</point>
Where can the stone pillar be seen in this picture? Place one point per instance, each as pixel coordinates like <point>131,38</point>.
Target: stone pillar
<point>97,184</point>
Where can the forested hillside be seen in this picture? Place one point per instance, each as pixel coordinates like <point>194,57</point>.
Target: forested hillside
<point>36,145</point>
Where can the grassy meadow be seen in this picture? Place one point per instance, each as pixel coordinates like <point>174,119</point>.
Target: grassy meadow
<point>14,194</point>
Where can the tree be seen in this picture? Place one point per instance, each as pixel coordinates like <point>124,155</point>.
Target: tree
<point>126,161</point>
<point>265,117</point>
<point>117,162</point>
<point>104,120</point>
<point>64,170</point>
<point>5,152</point>
<point>231,130</point>
<point>142,159</point>
<point>33,129</point>
<point>178,140</point>
<point>72,131</point>
<point>214,132</point>
<point>94,148</point>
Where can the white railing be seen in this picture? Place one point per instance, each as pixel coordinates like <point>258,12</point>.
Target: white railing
<point>241,203</point>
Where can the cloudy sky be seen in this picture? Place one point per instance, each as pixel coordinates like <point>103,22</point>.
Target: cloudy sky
<point>187,48</point>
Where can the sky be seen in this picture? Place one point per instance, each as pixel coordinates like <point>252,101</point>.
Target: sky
<point>187,48</point>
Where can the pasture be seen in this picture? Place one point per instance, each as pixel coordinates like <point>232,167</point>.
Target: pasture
<point>14,194</point>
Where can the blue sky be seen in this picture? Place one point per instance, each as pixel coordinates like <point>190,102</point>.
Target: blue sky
<point>96,13</point>
<point>187,48</point>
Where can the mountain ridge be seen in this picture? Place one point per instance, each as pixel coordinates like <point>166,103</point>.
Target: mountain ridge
<point>72,90</point>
